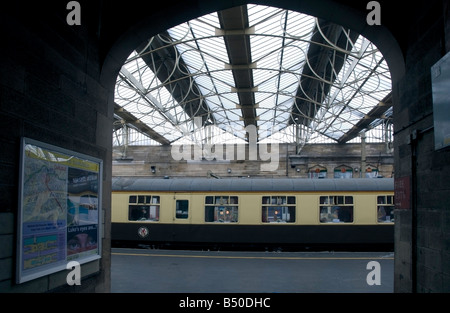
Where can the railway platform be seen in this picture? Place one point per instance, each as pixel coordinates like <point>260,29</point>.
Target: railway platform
<point>188,272</point>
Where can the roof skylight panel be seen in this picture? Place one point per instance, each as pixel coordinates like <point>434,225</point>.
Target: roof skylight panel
<point>345,124</point>
<point>337,94</point>
<point>223,77</point>
<point>262,98</point>
<point>265,29</point>
<point>279,47</point>
<point>201,30</point>
<point>294,56</point>
<point>371,85</point>
<point>232,125</point>
<point>266,80</point>
<point>265,108</point>
<point>139,69</point>
<point>181,32</point>
<point>234,115</point>
<point>207,58</point>
<point>284,103</point>
<point>282,117</point>
<point>385,83</point>
<point>146,77</point>
<point>348,115</point>
<point>258,13</point>
<point>134,65</point>
<point>179,114</point>
<point>300,26</point>
<point>192,58</point>
<point>231,99</point>
<point>355,113</point>
<point>269,84</point>
<point>220,103</point>
<point>356,102</point>
<point>346,75</point>
<point>271,27</point>
<point>289,83</point>
<point>328,131</point>
<point>153,108</point>
<point>213,52</point>
<point>125,93</point>
<point>357,47</point>
<point>210,20</point>
<point>289,57</point>
<point>368,103</point>
<point>265,115</point>
<point>265,50</point>
<point>368,61</point>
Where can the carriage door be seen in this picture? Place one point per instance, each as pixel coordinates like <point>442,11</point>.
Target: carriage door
<point>182,212</point>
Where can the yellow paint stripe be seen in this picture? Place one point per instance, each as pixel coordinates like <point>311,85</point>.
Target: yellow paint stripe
<point>251,257</point>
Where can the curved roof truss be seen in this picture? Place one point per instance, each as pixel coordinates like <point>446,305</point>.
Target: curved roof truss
<point>253,65</point>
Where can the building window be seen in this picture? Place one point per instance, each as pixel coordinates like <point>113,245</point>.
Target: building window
<point>317,172</point>
<point>371,171</point>
<point>343,171</point>
<point>221,209</point>
<point>336,209</point>
<point>278,209</point>
<point>385,209</point>
<point>143,208</point>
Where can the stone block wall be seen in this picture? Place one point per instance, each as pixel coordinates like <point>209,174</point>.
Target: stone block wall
<point>50,91</point>
<point>141,159</point>
<point>422,255</point>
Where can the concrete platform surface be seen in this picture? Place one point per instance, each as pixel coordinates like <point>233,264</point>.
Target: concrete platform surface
<point>181,271</point>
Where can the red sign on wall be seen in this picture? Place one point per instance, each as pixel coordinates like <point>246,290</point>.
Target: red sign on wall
<point>402,192</point>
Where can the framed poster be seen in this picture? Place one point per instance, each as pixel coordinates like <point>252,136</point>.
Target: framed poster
<point>59,216</point>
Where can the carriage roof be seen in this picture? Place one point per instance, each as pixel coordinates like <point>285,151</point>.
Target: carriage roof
<point>250,184</point>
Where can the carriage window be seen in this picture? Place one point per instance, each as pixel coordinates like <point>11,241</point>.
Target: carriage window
<point>336,209</point>
<point>143,208</point>
<point>385,209</point>
<point>221,209</point>
<point>278,209</point>
<point>182,209</point>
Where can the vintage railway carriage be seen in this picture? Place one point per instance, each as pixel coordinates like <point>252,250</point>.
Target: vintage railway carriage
<point>254,213</point>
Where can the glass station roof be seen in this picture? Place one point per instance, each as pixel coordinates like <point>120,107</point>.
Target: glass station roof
<point>278,70</point>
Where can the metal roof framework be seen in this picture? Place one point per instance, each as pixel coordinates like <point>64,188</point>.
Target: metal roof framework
<point>275,69</point>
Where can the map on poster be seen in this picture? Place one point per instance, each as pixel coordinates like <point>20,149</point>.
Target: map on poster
<point>59,209</point>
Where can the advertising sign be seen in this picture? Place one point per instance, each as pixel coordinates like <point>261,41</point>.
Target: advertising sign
<point>59,209</point>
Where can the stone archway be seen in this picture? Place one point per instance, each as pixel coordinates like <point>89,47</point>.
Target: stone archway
<point>133,32</point>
